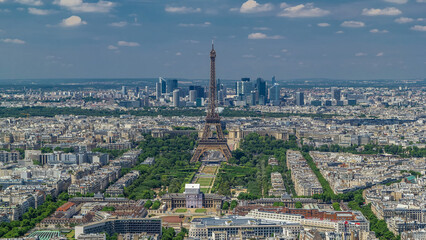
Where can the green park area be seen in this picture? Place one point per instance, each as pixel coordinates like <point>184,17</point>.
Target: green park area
<point>205,181</point>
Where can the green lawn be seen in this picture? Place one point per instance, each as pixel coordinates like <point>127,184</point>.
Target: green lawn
<point>181,210</point>
<point>204,190</point>
<point>201,210</point>
<point>205,181</point>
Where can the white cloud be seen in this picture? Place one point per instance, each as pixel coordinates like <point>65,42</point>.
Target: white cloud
<point>178,54</point>
<point>379,54</point>
<point>251,6</point>
<point>205,24</point>
<point>389,11</point>
<point>192,41</point>
<point>118,24</point>
<point>339,32</point>
<point>112,47</point>
<point>360,54</point>
<point>419,28</point>
<point>284,50</point>
<point>37,11</point>
<point>323,25</point>
<point>13,40</point>
<point>263,36</point>
<point>182,9</point>
<point>30,2</point>
<point>248,56</point>
<point>261,28</point>
<point>403,20</point>
<point>352,24</point>
<point>397,1</point>
<point>80,6</point>
<point>127,44</point>
<point>302,10</point>
<point>72,21</point>
<point>378,31</point>
<point>284,5</point>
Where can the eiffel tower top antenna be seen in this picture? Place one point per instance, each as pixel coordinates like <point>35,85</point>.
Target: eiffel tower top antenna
<point>212,115</point>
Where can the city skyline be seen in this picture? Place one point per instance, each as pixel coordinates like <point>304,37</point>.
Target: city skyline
<point>135,39</point>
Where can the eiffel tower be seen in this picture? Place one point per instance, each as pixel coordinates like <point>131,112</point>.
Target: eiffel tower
<point>209,140</point>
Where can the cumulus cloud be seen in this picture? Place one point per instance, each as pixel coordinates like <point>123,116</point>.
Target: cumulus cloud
<point>178,54</point>
<point>13,40</point>
<point>378,31</point>
<point>302,10</point>
<point>182,9</point>
<point>127,44</point>
<point>263,36</point>
<point>397,1</point>
<point>205,24</point>
<point>30,2</point>
<point>80,6</point>
<point>251,6</point>
<point>118,24</point>
<point>419,28</point>
<point>339,32</point>
<point>37,11</point>
<point>389,11</point>
<point>72,21</point>
<point>323,25</point>
<point>284,50</point>
<point>352,24</point>
<point>403,20</point>
<point>112,47</point>
<point>360,54</point>
<point>379,54</point>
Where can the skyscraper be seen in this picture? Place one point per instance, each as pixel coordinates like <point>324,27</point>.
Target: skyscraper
<point>157,90</point>
<point>300,101</point>
<point>274,93</point>
<point>273,80</point>
<point>176,100</point>
<point>261,90</point>
<point>124,90</point>
<point>336,93</point>
<point>246,87</point>
<point>192,95</point>
<point>163,84</point>
<point>199,89</point>
<point>172,84</point>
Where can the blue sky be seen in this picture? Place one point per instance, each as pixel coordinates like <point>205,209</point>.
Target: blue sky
<point>340,39</point>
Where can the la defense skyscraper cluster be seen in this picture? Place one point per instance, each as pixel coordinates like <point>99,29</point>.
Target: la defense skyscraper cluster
<point>210,140</point>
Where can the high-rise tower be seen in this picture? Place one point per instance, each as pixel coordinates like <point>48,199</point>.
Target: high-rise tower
<point>210,140</point>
